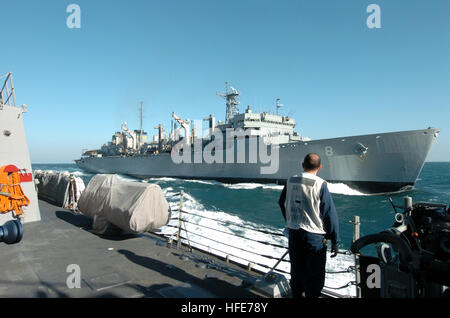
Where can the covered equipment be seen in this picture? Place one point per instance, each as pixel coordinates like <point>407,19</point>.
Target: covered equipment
<point>61,188</point>
<point>134,207</point>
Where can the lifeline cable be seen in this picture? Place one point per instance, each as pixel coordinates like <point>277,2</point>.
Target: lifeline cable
<point>236,224</point>
<point>241,236</point>
<point>350,283</point>
<point>240,257</point>
<point>238,248</point>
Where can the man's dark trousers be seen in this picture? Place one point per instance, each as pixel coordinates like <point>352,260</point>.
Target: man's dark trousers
<point>308,254</point>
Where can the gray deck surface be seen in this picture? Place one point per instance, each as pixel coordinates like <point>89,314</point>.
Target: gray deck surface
<point>130,266</point>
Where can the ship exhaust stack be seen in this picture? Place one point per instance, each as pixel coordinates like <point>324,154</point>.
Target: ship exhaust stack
<point>160,134</point>
<point>211,124</point>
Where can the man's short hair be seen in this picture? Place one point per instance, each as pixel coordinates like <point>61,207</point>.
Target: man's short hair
<point>311,161</point>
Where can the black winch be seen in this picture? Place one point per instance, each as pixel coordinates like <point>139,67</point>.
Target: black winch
<point>413,256</point>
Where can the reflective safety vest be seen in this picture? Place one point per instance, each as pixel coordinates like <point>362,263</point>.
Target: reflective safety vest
<point>303,203</point>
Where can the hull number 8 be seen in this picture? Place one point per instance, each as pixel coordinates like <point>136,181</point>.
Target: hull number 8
<point>329,151</point>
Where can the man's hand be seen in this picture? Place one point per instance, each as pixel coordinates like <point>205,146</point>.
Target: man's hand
<point>334,249</point>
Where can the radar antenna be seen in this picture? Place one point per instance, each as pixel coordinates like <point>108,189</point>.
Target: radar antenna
<point>140,130</point>
<point>231,97</point>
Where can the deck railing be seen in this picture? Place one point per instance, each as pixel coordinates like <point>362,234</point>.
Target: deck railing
<point>248,256</point>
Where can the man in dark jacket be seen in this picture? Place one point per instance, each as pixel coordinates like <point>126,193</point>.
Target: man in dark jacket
<point>311,219</point>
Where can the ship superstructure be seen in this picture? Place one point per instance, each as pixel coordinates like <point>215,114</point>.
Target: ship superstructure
<point>14,154</point>
<point>263,148</point>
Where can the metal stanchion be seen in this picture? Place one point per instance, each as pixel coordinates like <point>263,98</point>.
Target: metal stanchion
<point>179,220</point>
<point>356,233</point>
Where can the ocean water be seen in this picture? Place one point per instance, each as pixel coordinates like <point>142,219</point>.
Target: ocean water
<point>238,211</point>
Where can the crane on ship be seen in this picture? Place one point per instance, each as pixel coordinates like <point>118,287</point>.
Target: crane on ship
<point>185,124</point>
<point>133,137</point>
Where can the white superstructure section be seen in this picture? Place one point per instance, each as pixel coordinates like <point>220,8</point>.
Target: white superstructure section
<point>275,128</point>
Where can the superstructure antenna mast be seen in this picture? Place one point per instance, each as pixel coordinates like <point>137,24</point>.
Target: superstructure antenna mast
<point>278,105</point>
<point>140,133</point>
<point>140,110</point>
<point>232,102</point>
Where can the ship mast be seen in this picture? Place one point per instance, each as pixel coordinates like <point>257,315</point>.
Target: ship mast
<point>140,131</point>
<point>232,102</point>
<point>140,127</point>
<point>278,105</point>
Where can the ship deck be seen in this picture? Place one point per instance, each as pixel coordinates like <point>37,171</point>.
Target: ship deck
<point>124,267</point>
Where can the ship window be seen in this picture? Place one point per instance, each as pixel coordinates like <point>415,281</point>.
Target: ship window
<point>7,133</point>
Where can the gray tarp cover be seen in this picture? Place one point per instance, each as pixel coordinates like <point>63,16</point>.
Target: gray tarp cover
<point>53,186</point>
<point>132,206</point>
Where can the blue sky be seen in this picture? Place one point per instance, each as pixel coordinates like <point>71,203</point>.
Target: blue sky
<point>335,76</point>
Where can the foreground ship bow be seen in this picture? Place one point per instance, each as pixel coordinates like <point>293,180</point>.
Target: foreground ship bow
<point>375,163</point>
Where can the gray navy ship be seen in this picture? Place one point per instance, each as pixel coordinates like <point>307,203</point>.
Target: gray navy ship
<point>374,163</point>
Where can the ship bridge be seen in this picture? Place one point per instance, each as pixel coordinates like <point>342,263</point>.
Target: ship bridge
<point>275,128</point>
<point>264,124</point>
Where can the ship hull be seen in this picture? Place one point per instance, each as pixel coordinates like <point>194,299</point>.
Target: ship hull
<point>376,163</point>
